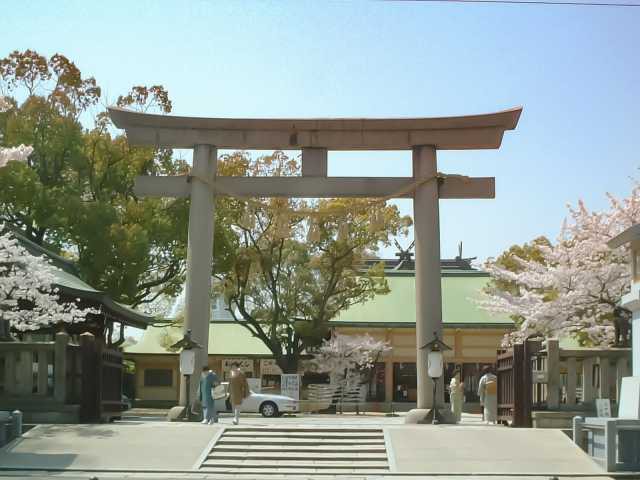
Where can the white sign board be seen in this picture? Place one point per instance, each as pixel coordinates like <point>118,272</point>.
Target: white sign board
<point>290,385</point>
<point>539,376</point>
<point>603,407</point>
<point>630,397</point>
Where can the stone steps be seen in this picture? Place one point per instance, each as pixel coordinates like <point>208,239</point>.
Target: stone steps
<point>294,450</point>
<point>295,455</point>
<point>320,435</point>
<point>305,449</point>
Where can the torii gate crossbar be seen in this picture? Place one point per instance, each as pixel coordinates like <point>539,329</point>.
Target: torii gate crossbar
<point>315,137</point>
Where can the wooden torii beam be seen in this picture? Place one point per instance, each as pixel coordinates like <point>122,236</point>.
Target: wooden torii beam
<point>423,136</point>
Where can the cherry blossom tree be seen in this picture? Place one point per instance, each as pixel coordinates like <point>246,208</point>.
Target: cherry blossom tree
<point>346,357</point>
<point>28,299</point>
<point>579,281</point>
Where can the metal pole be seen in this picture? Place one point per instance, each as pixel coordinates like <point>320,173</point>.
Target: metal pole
<point>199,255</point>
<point>435,408</point>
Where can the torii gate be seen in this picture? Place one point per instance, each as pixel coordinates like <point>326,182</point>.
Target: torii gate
<point>423,136</point>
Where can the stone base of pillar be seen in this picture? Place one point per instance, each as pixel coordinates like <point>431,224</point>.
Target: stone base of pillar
<point>424,416</point>
<point>178,414</point>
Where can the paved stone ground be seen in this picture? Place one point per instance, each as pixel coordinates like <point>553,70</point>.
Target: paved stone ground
<point>128,446</point>
<point>447,449</point>
<point>160,476</point>
<point>143,446</point>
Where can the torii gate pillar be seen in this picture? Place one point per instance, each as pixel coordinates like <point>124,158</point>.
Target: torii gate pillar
<point>200,256</point>
<point>426,213</point>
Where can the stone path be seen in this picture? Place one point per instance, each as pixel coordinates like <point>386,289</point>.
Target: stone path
<point>139,449</point>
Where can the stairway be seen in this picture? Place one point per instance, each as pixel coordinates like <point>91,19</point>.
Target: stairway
<point>301,450</point>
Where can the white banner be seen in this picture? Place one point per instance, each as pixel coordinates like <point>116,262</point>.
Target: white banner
<point>290,385</point>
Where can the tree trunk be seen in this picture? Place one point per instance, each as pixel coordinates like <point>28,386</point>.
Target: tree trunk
<point>288,364</point>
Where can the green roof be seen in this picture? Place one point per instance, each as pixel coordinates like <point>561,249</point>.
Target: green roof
<point>227,338</point>
<point>398,307</point>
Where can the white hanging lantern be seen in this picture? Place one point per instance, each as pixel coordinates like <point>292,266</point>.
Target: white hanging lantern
<point>435,364</point>
<point>187,362</point>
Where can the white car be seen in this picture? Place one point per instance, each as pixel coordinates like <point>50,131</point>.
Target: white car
<point>265,403</point>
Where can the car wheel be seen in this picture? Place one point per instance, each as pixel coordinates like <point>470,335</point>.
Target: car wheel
<point>269,409</point>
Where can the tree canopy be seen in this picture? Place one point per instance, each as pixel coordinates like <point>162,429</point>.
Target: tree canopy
<point>569,287</point>
<point>74,194</point>
<point>297,264</point>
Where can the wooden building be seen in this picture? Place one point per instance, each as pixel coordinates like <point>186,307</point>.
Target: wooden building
<point>473,334</point>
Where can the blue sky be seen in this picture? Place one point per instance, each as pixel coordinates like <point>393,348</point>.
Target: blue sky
<point>576,71</point>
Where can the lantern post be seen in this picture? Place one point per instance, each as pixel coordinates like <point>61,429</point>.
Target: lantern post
<point>435,370</point>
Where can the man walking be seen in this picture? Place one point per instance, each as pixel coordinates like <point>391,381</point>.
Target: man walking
<point>208,380</point>
<point>239,389</point>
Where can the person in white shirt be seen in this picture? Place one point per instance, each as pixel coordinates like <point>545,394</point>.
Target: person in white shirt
<point>488,393</point>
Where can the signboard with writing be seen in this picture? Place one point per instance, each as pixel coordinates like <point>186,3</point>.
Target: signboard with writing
<point>603,407</point>
<point>539,376</point>
<point>290,385</point>
<point>268,366</point>
<point>246,365</point>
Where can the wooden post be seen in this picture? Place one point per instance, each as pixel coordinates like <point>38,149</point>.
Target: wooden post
<point>60,367</point>
<point>572,380</point>
<point>43,371</point>
<point>553,372</point>
<point>587,380</point>
<point>388,381</point>
<point>604,391</point>
<point>10,372</point>
<point>24,373</point>
<point>89,395</point>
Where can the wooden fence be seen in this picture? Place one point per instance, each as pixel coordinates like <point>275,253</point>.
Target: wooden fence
<point>47,376</point>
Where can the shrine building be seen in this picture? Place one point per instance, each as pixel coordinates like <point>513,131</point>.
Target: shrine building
<point>473,334</point>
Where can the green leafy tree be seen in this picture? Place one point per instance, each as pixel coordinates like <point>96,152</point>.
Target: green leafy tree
<point>75,193</point>
<point>294,270</point>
